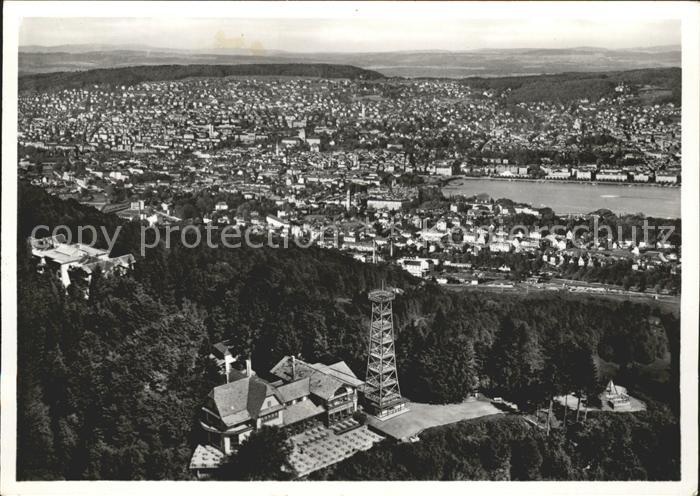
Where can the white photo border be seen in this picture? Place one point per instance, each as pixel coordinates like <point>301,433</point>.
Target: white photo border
<point>688,12</point>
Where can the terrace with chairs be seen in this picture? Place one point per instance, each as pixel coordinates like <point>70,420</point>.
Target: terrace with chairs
<point>345,426</point>
<point>321,446</point>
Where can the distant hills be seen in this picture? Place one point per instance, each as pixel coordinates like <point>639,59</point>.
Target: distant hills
<point>650,85</point>
<point>533,74</point>
<point>430,63</point>
<point>144,73</point>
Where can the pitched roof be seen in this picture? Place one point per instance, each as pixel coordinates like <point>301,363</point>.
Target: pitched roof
<point>241,400</point>
<point>220,349</point>
<point>324,380</point>
<point>301,411</point>
<point>324,386</point>
<point>340,371</point>
<point>283,369</point>
<point>294,390</point>
<point>47,242</point>
<point>611,388</point>
<point>343,368</point>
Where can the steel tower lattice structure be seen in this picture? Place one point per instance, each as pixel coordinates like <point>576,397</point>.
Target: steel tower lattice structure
<point>382,391</point>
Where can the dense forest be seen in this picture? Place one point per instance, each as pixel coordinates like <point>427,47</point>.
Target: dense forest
<point>145,73</point>
<point>577,85</point>
<point>605,447</point>
<point>109,387</point>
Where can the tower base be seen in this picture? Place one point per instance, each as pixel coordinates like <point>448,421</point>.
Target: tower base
<point>394,409</point>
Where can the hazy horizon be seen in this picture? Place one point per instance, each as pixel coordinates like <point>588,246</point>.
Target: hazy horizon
<point>260,36</point>
<point>675,46</point>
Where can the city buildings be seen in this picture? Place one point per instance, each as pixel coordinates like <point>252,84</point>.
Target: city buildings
<point>299,158</point>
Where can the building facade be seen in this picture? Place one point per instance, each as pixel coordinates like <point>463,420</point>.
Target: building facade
<point>302,395</point>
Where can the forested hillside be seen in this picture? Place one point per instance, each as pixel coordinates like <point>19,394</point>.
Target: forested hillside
<point>578,85</point>
<point>642,446</point>
<point>110,387</point>
<point>144,73</point>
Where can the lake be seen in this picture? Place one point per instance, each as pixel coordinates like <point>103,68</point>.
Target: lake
<point>565,198</point>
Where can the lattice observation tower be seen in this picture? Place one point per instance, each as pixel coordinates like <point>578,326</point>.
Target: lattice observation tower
<point>381,392</point>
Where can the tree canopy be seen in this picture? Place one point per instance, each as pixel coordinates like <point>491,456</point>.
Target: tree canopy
<point>110,387</point>
<point>263,456</point>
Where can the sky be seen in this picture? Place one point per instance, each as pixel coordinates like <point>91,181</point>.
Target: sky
<point>352,34</point>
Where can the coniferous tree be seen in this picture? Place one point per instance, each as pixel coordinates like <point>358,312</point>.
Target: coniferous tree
<point>263,456</point>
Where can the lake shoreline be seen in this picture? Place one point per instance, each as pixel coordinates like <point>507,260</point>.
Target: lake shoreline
<point>447,182</point>
<point>573,197</point>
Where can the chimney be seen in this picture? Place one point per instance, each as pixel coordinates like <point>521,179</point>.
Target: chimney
<point>248,368</point>
<point>227,366</point>
<point>294,368</point>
